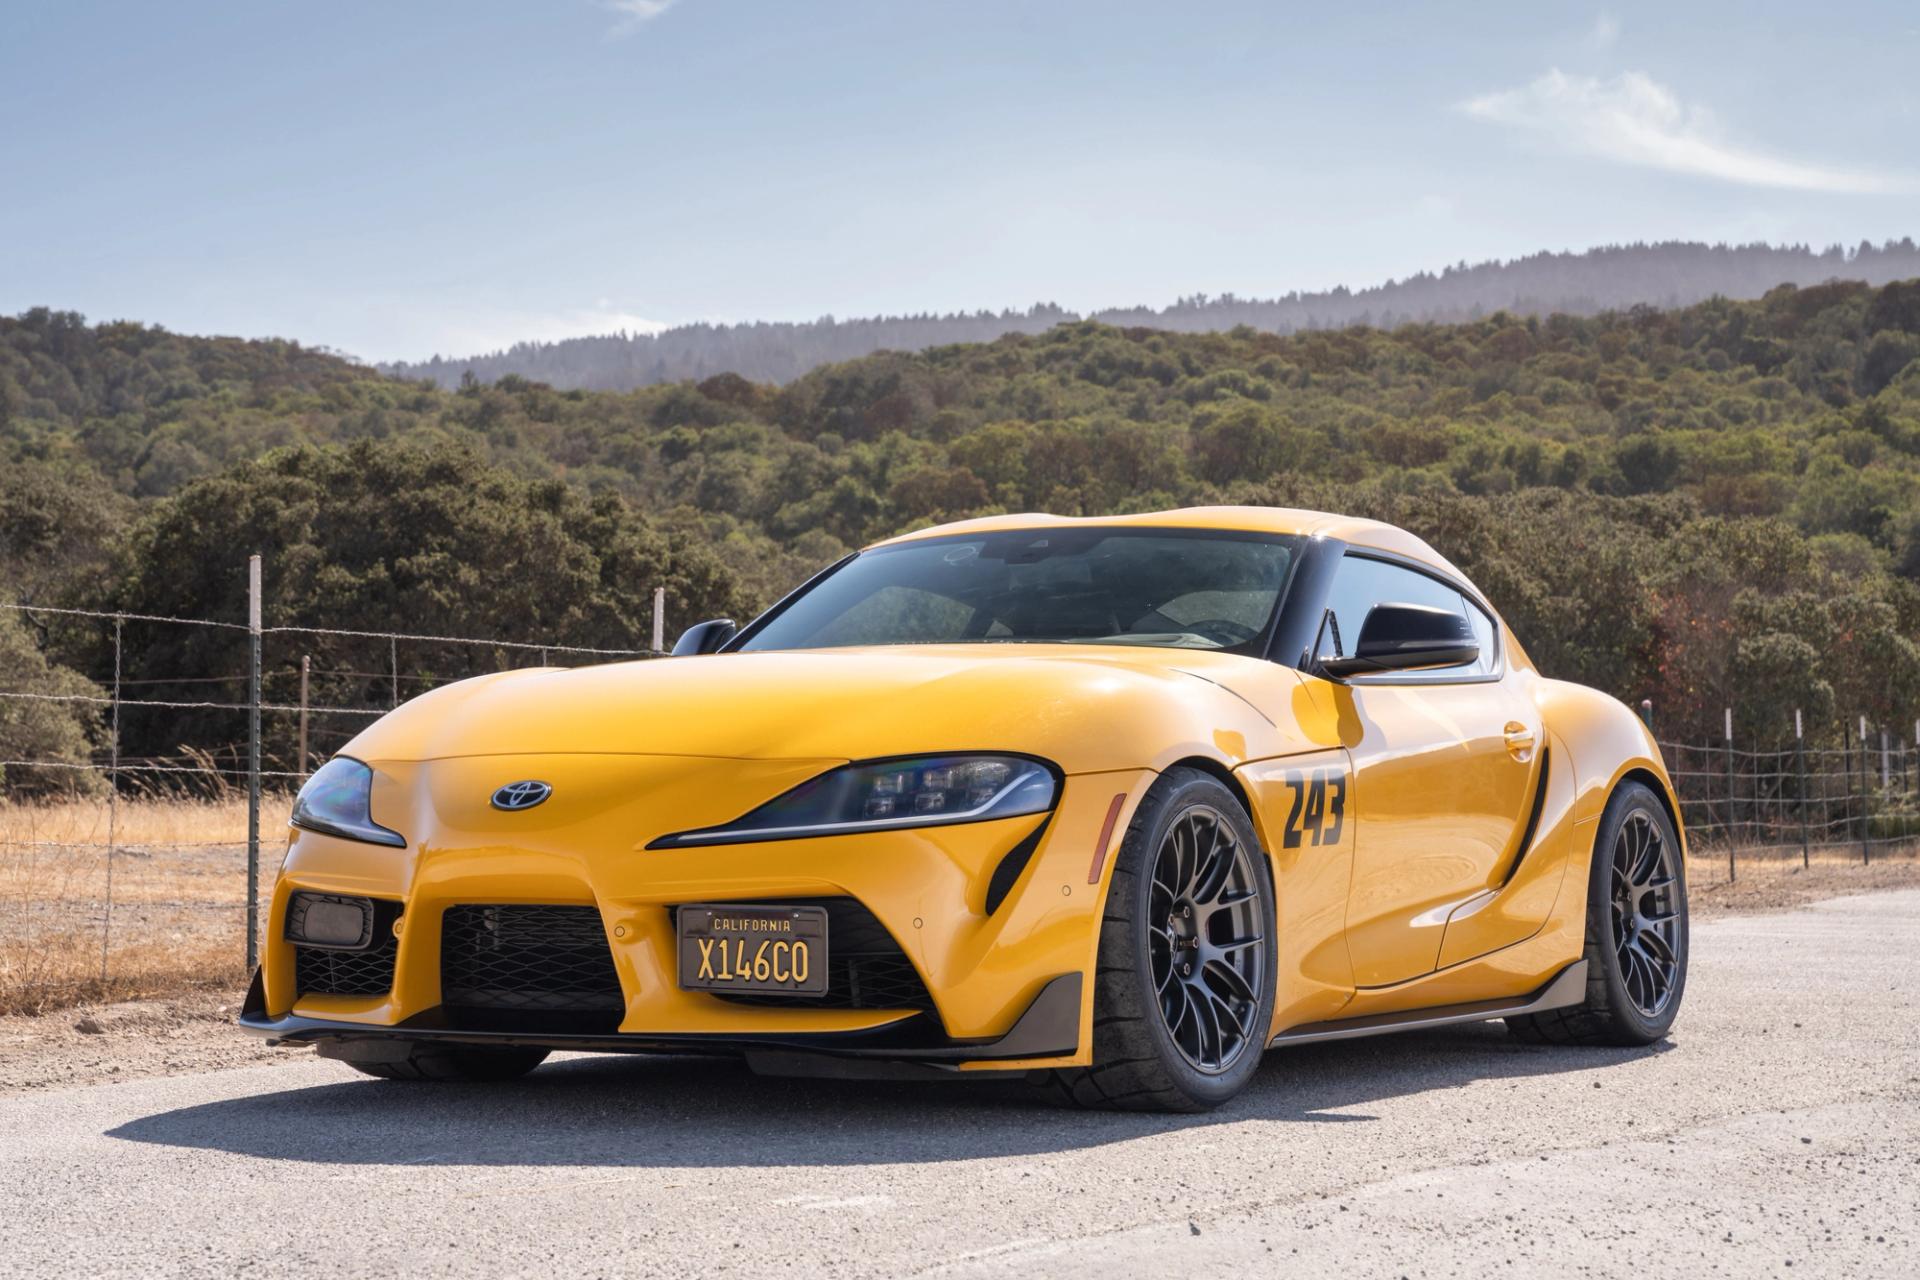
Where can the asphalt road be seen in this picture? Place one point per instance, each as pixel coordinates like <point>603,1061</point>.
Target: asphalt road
<point>1777,1134</point>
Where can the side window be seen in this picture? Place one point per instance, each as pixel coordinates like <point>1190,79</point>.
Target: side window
<point>1363,583</point>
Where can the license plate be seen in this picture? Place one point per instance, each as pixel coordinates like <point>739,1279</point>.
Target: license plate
<point>770,950</point>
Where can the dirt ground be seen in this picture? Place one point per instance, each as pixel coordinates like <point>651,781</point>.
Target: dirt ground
<point>194,1031</point>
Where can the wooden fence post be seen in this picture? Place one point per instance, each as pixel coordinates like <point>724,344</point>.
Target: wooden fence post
<point>253,763</point>
<point>1866,800</point>
<point>1800,768</point>
<point>1730,828</point>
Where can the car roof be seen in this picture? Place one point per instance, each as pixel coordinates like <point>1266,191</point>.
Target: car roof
<point>1288,520</point>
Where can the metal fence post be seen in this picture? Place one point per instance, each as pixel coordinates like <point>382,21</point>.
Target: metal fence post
<point>306,669</point>
<point>1646,714</point>
<point>1800,769</point>
<point>253,762</point>
<point>659,619</point>
<point>113,798</point>
<point>1730,835</point>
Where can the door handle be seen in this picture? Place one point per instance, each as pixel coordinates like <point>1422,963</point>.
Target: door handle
<point>1519,741</point>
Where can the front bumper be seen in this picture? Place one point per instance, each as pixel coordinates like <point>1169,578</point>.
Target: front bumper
<point>1003,964</point>
<point>1049,1028</point>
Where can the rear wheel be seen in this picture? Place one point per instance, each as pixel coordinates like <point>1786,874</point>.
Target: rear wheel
<point>1183,996</point>
<point>416,1060</point>
<point>1636,932</point>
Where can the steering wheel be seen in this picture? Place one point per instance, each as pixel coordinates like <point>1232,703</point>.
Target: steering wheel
<point>1224,630</point>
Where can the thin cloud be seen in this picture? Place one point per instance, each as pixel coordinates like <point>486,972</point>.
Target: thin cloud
<point>1605,32</point>
<point>634,14</point>
<point>1633,119</point>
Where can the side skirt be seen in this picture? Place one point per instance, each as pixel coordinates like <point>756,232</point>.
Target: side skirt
<point>1568,988</point>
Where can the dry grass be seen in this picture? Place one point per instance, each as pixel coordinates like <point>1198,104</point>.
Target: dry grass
<point>176,883</point>
<point>178,918</point>
<point>1777,881</point>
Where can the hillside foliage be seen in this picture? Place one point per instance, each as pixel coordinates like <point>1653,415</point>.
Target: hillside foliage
<point>1715,506</point>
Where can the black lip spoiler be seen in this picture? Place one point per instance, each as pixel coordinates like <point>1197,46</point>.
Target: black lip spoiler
<point>1050,1027</point>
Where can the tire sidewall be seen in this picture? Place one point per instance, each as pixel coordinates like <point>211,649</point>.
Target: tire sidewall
<point>1175,793</point>
<point>1628,799</point>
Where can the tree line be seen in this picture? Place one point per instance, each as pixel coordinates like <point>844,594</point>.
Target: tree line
<point>1613,277</point>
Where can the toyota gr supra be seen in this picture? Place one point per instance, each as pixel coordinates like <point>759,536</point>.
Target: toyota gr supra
<point>1110,806</point>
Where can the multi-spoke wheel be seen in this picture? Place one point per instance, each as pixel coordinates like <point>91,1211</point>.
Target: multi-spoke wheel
<point>1206,939</point>
<point>1183,998</point>
<point>1646,917</point>
<point>1636,932</point>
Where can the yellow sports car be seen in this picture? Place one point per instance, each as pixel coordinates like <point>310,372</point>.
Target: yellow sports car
<point>1112,806</point>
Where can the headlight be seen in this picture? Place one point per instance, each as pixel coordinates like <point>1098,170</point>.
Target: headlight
<point>338,801</point>
<point>881,795</point>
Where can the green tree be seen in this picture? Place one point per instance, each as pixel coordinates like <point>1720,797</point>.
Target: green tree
<point>383,537</point>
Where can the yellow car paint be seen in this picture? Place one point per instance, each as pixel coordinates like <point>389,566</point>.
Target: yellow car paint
<point>1422,897</point>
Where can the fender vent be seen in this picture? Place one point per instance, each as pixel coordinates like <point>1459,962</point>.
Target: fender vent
<point>1533,818</point>
<point>1007,874</point>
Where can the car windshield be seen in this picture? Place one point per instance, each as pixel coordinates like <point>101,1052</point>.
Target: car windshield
<point>1182,589</point>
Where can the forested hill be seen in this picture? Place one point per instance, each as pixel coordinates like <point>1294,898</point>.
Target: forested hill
<point>1670,274</point>
<point>1713,506</point>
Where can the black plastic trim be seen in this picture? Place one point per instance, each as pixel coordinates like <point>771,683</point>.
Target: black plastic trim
<point>1298,624</point>
<point>1050,1027</point>
<point>1007,873</point>
<point>1533,818</point>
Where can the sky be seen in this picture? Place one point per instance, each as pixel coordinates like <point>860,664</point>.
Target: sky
<point>395,180</point>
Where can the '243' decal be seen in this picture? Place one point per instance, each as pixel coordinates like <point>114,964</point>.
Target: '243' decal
<point>1319,806</point>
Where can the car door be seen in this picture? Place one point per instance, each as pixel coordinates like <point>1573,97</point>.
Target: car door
<point>1445,766</point>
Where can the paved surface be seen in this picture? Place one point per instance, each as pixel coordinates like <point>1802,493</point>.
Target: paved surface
<point>1777,1134</point>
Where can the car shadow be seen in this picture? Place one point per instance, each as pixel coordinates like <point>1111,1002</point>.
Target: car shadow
<point>703,1113</point>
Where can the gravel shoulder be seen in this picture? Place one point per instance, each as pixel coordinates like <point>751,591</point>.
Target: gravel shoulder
<point>1775,1133</point>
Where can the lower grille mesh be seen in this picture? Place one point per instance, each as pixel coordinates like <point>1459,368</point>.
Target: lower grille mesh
<point>533,958</point>
<point>322,971</point>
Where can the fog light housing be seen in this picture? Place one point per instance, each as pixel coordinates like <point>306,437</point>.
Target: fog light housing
<point>328,920</point>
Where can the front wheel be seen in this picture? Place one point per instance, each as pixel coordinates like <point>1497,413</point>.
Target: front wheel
<point>1183,995</point>
<point>1636,932</point>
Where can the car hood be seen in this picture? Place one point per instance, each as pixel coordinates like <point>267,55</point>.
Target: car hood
<point>1085,707</point>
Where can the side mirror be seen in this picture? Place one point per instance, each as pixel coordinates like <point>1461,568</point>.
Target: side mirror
<point>704,637</point>
<point>1407,637</point>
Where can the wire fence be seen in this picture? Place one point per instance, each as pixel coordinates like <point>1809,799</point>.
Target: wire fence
<point>166,852</point>
<point>146,863</point>
<point>1793,800</point>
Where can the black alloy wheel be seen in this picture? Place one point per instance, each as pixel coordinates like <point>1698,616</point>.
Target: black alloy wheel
<point>1206,939</point>
<point>1183,994</point>
<point>1636,948</point>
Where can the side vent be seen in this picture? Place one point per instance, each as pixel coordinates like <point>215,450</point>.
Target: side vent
<point>1533,818</point>
<point>1007,874</point>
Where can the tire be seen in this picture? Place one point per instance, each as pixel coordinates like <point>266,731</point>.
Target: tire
<point>1636,948</point>
<point>477,1064</point>
<point>1154,1048</point>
